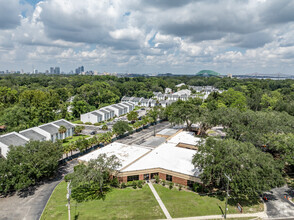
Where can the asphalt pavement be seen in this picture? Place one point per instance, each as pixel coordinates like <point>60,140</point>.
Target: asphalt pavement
<point>142,136</point>
<point>277,203</point>
<point>29,204</point>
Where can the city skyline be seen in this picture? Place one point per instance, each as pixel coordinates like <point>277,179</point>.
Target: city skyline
<point>181,37</point>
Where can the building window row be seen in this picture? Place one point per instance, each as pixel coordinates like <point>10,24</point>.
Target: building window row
<point>169,177</point>
<point>133,178</point>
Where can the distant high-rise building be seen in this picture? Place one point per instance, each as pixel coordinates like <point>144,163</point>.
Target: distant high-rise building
<point>80,69</point>
<point>57,70</point>
<point>35,71</point>
<point>51,70</point>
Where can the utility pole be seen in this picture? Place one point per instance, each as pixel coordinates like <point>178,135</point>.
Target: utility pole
<point>229,179</point>
<point>68,198</point>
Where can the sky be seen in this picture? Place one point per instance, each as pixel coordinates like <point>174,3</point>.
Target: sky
<point>148,36</point>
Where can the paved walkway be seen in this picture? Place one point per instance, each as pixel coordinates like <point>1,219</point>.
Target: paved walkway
<point>29,206</point>
<point>162,206</point>
<point>261,215</point>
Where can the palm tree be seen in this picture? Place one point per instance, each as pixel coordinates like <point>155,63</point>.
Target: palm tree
<point>62,129</point>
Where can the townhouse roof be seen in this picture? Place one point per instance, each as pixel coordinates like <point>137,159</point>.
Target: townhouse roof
<point>13,139</point>
<point>32,135</point>
<point>50,128</point>
<point>97,114</point>
<point>63,123</point>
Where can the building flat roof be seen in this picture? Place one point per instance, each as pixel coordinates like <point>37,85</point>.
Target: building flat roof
<point>33,135</point>
<point>153,142</point>
<point>51,129</point>
<point>167,156</point>
<point>13,139</point>
<point>63,123</point>
<point>168,131</point>
<point>185,137</point>
<point>125,153</point>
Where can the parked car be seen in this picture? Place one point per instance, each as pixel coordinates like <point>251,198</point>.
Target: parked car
<point>93,133</point>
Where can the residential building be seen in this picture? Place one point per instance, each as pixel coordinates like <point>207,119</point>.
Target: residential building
<point>53,130</point>
<point>11,139</point>
<point>31,134</point>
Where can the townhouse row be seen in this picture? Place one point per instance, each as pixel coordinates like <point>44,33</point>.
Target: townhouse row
<point>46,132</point>
<point>108,112</point>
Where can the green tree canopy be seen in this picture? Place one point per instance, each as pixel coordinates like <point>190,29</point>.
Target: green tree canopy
<point>121,127</point>
<point>27,165</point>
<point>132,116</point>
<point>91,181</point>
<point>251,170</point>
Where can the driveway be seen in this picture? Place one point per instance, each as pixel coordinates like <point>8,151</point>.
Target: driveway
<point>140,137</point>
<point>277,205</point>
<point>29,204</point>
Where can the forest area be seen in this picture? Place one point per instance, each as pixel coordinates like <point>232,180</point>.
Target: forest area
<point>257,116</point>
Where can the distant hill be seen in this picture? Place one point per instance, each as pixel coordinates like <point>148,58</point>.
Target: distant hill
<point>207,73</point>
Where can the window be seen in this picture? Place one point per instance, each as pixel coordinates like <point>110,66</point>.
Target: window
<point>190,183</point>
<point>153,174</point>
<point>146,176</point>
<point>132,178</point>
<point>169,178</point>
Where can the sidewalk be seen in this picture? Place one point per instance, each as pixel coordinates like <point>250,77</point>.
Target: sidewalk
<point>261,215</point>
<point>162,206</point>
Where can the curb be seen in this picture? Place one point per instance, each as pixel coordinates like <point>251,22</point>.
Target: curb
<point>49,199</point>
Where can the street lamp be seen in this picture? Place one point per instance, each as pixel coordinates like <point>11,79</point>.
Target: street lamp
<point>229,179</point>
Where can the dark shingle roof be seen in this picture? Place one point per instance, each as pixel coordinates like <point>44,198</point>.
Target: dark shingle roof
<point>117,107</point>
<point>96,113</point>
<point>136,99</point>
<point>33,135</point>
<point>120,105</point>
<point>13,139</point>
<point>103,111</point>
<point>108,109</point>
<point>126,98</point>
<point>51,129</point>
<point>64,123</point>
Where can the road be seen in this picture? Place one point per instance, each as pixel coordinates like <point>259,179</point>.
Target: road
<point>30,204</point>
<point>277,205</point>
<point>140,137</point>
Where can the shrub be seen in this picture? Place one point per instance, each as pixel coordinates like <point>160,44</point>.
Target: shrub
<point>180,187</point>
<point>97,124</point>
<point>134,184</point>
<point>171,185</point>
<point>163,182</point>
<point>88,123</point>
<point>196,187</point>
<point>114,182</point>
<point>78,122</point>
<point>156,177</point>
<point>123,185</point>
<point>104,127</point>
<point>140,184</point>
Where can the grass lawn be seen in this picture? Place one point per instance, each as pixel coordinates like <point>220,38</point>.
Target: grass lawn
<point>187,204</point>
<point>126,203</point>
<point>68,140</point>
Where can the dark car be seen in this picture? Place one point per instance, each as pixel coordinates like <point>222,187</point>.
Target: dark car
<point>93,132</point>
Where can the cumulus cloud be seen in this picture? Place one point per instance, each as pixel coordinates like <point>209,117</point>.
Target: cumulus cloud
<point>149,36</point>
<point>9,14</point>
